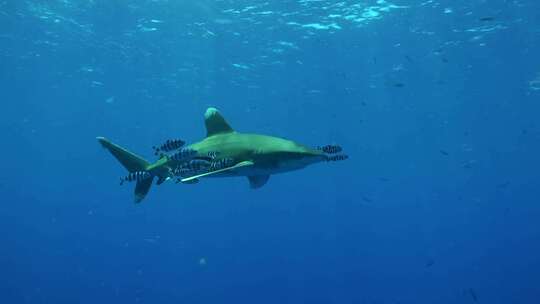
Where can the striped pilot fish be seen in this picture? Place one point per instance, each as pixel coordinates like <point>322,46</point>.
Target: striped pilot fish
<point>192,167</point>
<point>136,176</point>
<point>184,154</point>
<point>181,171</point>
<point>198,165</point>
<point>330,149</point>
<point>338,157</point>
<point>221,164</point>
<point>168,146</point>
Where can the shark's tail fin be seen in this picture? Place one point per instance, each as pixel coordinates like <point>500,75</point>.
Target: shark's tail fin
<point>133,163</point>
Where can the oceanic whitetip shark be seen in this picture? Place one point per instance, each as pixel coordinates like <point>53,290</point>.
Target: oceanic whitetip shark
<point>223,153</point>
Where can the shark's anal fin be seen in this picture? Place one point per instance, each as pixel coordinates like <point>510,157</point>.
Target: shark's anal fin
<point>142,188</point>
<point>239,165</point>
<point>215,123</point>
<point>257,181</point>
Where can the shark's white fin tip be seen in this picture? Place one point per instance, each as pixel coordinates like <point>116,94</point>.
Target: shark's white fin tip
<point>210,111</point>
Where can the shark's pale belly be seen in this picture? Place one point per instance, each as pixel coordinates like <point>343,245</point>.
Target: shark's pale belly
<point>252,171</point>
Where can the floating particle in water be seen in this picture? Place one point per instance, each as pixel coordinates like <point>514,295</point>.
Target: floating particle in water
<point>223,21</point>
<point>535,83</point>
<point>485,19</point>
<point>469,164</point>
<point>318,26</point>
<point>151,240</point>
<point>202,261</point>
<point>147,29</point>
<point>473,295</point>
<point>503,185</point>
<point>240,66</point>
<point>367,199</point>
<point>87,69</point>
<point>208,33</point>
<point>109,100</point>
<point>398,68</point>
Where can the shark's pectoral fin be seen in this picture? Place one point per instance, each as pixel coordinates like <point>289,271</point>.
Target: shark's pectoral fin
<point>162,179</point>
<point>257,181</point>
<point>239,165</point>
<point>189,182</point>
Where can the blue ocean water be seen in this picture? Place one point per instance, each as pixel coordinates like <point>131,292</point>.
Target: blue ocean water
<point>436,102</point>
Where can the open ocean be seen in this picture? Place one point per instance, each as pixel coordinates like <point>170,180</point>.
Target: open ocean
<point>436,102</point>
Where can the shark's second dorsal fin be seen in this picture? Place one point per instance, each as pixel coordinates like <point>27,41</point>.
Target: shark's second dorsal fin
<point>215,123</point>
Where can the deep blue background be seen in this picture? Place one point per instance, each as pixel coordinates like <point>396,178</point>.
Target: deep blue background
<point>436,105</point>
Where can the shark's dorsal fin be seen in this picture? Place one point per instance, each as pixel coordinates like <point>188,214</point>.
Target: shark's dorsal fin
<point>239,165</point>
<point>215,123</point>
<point>257,181</point>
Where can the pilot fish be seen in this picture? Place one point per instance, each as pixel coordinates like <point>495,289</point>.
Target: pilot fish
<point>337,157</point>
<point>184,154</point>
<point>136,176</point>
<point>330,149</point>
<point>168,146</point>
<point>221,164</point>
